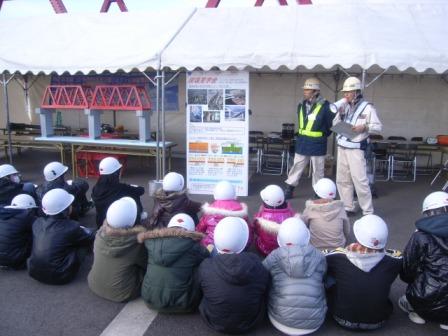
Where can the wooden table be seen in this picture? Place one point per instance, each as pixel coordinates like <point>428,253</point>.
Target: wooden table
<point>110,146</point>
<point>28,141</point>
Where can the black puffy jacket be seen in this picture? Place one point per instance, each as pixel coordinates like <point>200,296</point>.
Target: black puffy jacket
<point>54,256</point>
<point>15,236</point>
<point>425,268</point>
<point>8,190</point>
<point>109,189</point>
<point>234,290</point>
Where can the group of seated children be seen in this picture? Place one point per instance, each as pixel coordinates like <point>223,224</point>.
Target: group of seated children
<point>179,262</point>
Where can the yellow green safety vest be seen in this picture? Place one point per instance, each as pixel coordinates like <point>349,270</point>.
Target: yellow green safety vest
<point>306,130</point>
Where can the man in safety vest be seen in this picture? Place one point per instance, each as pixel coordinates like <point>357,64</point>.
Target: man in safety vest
<point>315,120</point>
<point>351,164</point>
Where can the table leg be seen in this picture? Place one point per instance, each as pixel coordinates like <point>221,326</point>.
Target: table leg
<point>73,161</point>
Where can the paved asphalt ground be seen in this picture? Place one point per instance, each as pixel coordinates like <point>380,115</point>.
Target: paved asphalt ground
<point>29,308</point>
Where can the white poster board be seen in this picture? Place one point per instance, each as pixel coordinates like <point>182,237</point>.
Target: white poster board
<point>217,130</point>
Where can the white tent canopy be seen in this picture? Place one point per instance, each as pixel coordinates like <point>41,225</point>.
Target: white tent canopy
<point>405,36</point>
<point>89,42</point>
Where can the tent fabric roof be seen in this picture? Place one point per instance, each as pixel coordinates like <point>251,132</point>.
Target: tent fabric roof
<point>386,35</point>
<point>88,42</point>
<point>407,37</point>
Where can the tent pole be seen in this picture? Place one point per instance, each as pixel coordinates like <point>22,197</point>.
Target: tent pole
<point>363,80</point>
<point>163,122</point>
<point>158,177</point>
<point>6,106</point>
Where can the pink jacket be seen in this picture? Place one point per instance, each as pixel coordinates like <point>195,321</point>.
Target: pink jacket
<point>213,213</point>
<point>267,223</point>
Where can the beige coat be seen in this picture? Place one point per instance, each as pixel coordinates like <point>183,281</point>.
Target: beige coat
<point>328,224</point>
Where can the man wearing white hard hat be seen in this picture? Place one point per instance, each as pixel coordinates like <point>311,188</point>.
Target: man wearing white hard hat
<point>351,174</point>
<point>297,304</point>
<point>16,239</point>
<point>174,254</point>
<point>54,173</point>
<point>326,218</point>
<point>59,243</point>
<point>11,185</point>
<point>425,264</point>
<point>233,283</point>
<point>119,261</point>
<point>361,277</point>
<point>315,120</point>
<point>109,188</point>
<point>172,199</point>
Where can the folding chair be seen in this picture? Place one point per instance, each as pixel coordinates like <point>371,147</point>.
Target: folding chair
<point>404,163</point>
<point>273,156</point>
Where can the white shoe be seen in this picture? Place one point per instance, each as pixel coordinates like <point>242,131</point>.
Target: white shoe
<point>414,317</point>
<point>404,304</point>
<point>444,326</point>
<point>143,215</point>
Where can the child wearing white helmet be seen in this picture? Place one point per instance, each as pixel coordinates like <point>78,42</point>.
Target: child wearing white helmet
<point>326,217</point>
<point>174,254</point>
<point>16,222</point>
<point>425,264</point>
<point>271,214</point>
<point>172,199</point>
<point>109,189</point>
<point>297,304</point>
<point>225,205</point>
<point>362,274</point>
<point>54,173</point>
<point>119,261</point>
<point>12,185</point>
<point>59,243</point>
<point>234,283</point>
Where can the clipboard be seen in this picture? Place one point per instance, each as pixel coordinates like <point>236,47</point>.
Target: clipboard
<point>345,129</point>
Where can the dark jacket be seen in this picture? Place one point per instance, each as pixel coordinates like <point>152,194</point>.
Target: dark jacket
<point>234,290</point>
<point>56,241</point>
<point>171,282</point>
<point>361,291</point>
<point>119,263</point>
<point>315,146</point>
<point>9,190</point>
<point>425,269</point>
<point>108,189</point>
<point>168,204</point>
<point>15,236</point>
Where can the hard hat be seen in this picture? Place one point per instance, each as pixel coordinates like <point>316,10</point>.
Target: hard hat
<point>173,182</point>
<point>109,165</point>
<point>293,232</point>
<point>183,221</point>
<point>231,235</point>
<point>122,213</point>
<point>325,188</point>
<point>435,200</point>
<point>351,84</point>
<point>371,231</point>
<point>312,84</point>
<point>224,190</point>
<point>272,195</point>
<point>53,170</point>
<point>22,201</point>
<point>56,200</point>
<point>7,169</point>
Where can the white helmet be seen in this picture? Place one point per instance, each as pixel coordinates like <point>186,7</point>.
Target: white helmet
<point>173,182</point>
<point>109,165</point>
<point>122,213</point>
<point>312,84</point>
<point>293,231</point>
<point>56,201</point>
<point>273,195</point>
<point>7,169</point>
<point>231,235</point>
<point>371,231</point>
<point>53,170</point>
<point>183,221</point>
<point>22,201</point>
<point>351,84</point>
<point>435,200</point>
<point>325,188</point>
<point>224,190</point>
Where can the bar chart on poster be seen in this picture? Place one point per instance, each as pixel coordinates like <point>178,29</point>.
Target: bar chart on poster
<point>217,130</point>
